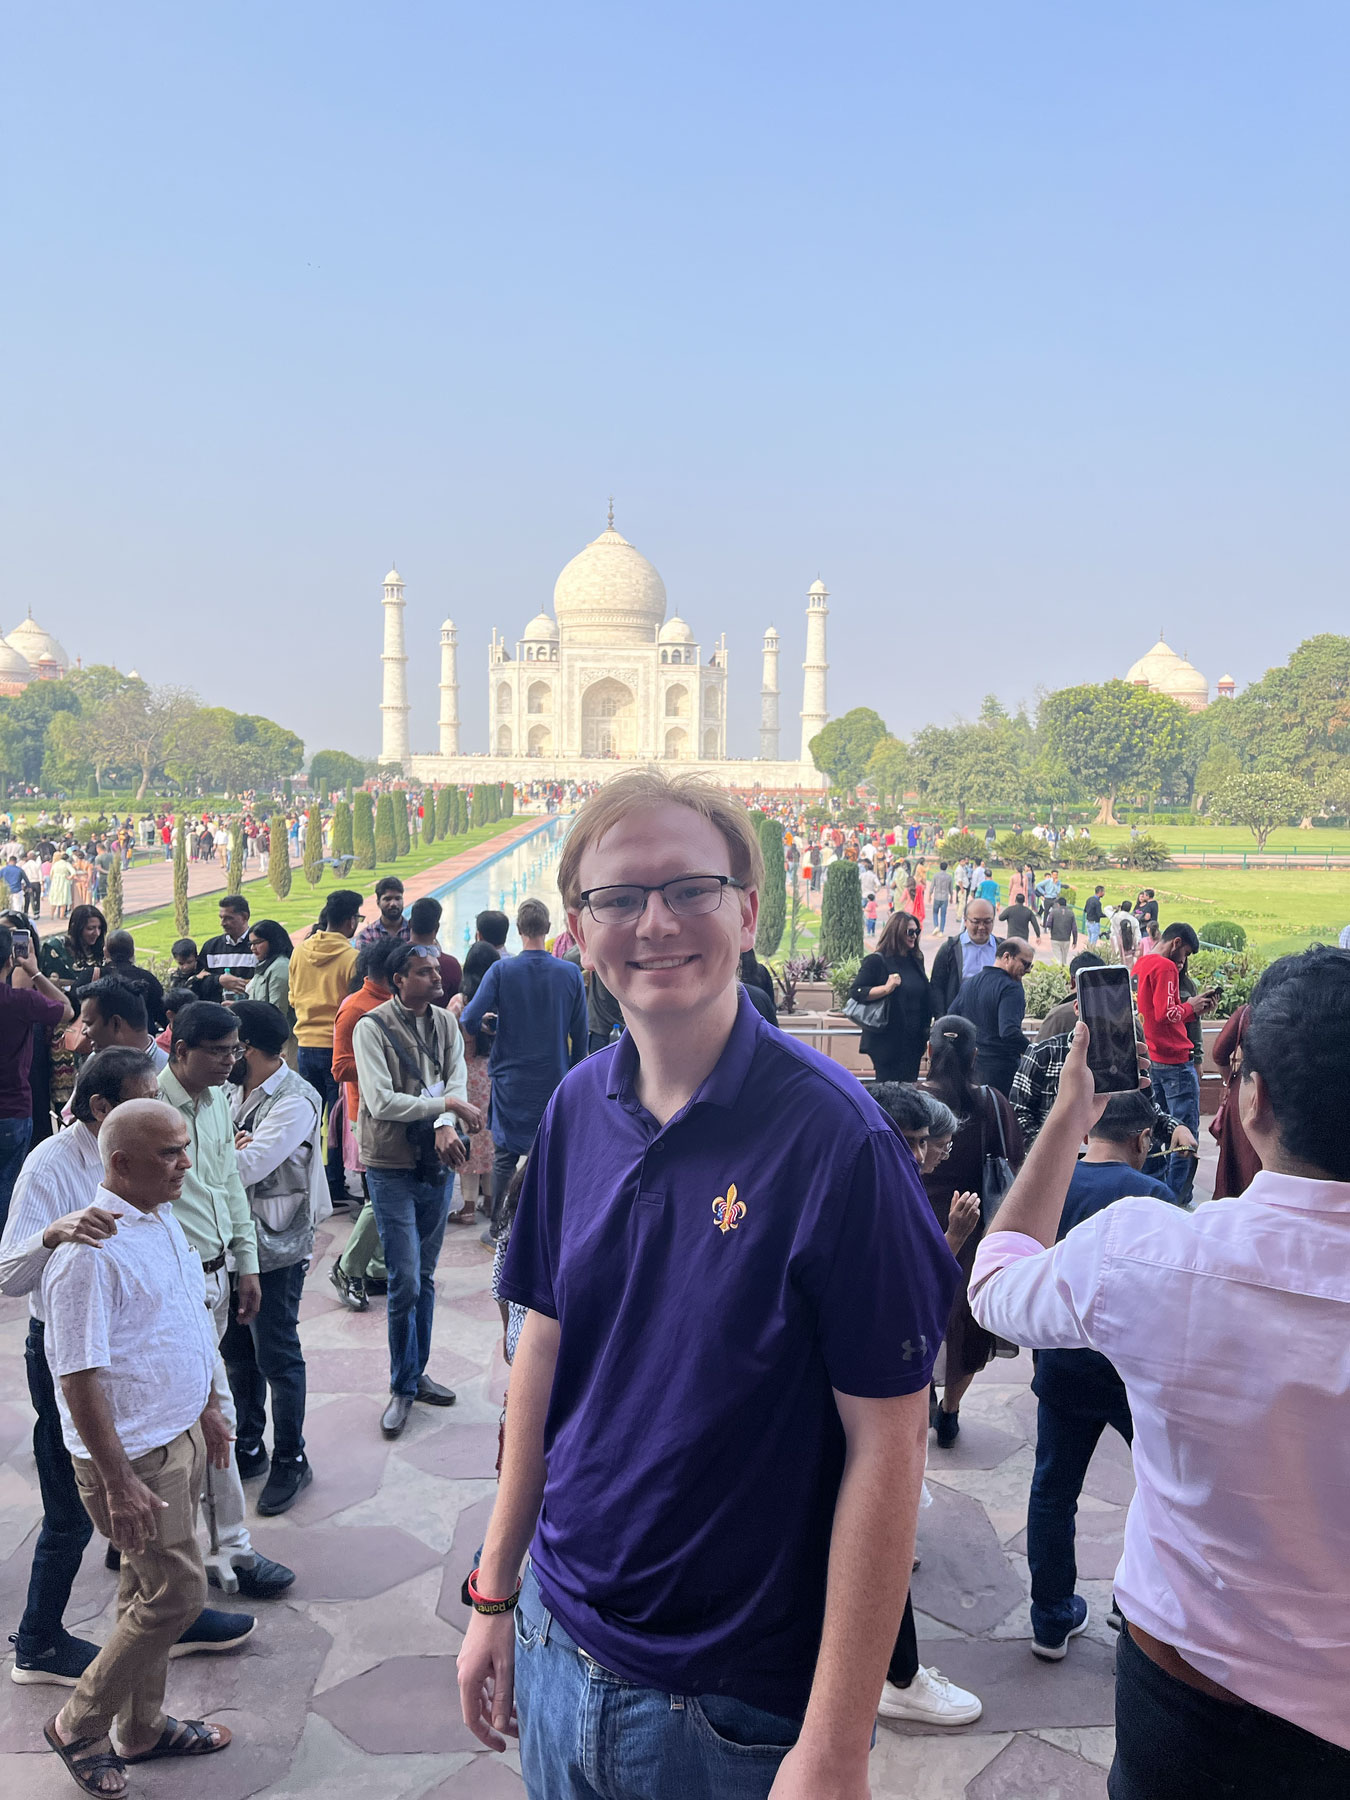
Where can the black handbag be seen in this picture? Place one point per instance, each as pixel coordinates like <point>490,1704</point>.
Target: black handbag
<point>998,1174</point>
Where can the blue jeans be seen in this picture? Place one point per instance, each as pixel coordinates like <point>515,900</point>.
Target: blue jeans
<point>585,1734</point>
<point>1064,1445</point>
<point>316,1066</point>
<point>267,1353</point>
<point>1174,1741</point>
<point>15,1137</point>
<point>1094,931</point>
<point>939,915</point>
<point>411,1215</point>
<point>66,1526</point>
<point>1177,1086</point>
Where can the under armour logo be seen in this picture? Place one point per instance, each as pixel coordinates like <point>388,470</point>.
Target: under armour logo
<point>911,1352</point>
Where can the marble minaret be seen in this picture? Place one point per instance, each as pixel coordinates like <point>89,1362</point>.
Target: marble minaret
<point>814,711</point>
<point>449,691</point>
<point>394,709</point>
<point>768,700</point>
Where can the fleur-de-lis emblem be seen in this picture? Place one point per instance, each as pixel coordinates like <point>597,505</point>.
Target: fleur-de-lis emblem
<point>729,1211</point>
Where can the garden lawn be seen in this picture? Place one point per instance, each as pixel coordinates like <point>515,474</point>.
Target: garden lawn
<point>1229,840</point>
<point>154,931</point>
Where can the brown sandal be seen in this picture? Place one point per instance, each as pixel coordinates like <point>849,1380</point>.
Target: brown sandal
<point>184,1737</point>
<point>85,1770</point>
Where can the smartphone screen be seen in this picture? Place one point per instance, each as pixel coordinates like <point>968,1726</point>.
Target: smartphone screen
<point>22,944</point>
<point>1106,1007</point>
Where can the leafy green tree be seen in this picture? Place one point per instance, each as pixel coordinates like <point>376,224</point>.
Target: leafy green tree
<point>386,836</point>
<point>429,815</point>
<point>342,829</point>
<point>1296,720</point>
<point>841,914</point>
<point>446,812</point>
<point>313,854</point>
<point>841,750</point>
<point>773,894</point>
<point>26,718</point>
<point>113,901</point>
<point>1115,737</point>
<point>1262,802</point>
<point>181,920</point>
<point>363,830</point>
<point>234,868</point>
<point>337,768</point>
<point>398,806</point>
<point>279,865</point>
<point>888,770</point>
<point>478,806</point>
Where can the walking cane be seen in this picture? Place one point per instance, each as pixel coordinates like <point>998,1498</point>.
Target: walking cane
<point>223,1565</point>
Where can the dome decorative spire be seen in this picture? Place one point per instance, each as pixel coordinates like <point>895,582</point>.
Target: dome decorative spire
<point>611,512</point>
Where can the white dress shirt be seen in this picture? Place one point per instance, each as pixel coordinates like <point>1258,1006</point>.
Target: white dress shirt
<point>1230,1328</point>
<point>62,1175</point>
<point>134,1308</point>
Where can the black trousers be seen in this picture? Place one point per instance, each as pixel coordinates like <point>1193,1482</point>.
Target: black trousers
<point>905,1656</point>
<point>1175,1743</point>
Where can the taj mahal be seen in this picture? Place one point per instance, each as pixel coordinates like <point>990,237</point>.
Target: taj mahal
<point>605,678</point>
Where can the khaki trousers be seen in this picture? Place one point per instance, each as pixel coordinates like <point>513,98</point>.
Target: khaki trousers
<point>162,1589</point>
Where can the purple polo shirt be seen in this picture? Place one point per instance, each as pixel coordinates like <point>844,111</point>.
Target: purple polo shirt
<point>714,1280</point>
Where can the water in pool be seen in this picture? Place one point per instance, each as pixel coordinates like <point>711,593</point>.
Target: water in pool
<point>526,871</point>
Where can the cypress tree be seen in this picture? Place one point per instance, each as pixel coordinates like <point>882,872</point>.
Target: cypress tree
<point>112,904</point>
<point>773,894</point>
<point>279,868</point>
<point>509,799</point>
<point>461,810</point>
<point>181,921</point>
<point>429,816</point>
<point>447,814</point>
<point>234,869</point>
<point>841,915</point>
<point>342,829</point>
<point>398,806</point>
<point>313,859</point>
<point>386,838</point>
<point>363,830</point>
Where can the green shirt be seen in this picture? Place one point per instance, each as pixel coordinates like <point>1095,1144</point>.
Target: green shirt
<point>213,1208</point>
<point>272,984</point>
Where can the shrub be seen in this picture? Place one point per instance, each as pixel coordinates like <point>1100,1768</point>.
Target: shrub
<point>960,846</point>
<point>181,918</point>
<point>1225,932</point>
<point>386,839</point>
<point>312,862</point>
<point>1045,986</point>
<point>279,868</point>
<point>1017,848</point>
<point>842,978</point>
<point>1141,853</point>
<point>429,816</point>
<point>112,902</point>
<point>1082,853</point>
<point>363,830</point>
<point>1233,969</point>
<point>342,829</point>
<point>841,914</point>
<point>773,894</point>
<point>446,812</point>
<point>793,972</point>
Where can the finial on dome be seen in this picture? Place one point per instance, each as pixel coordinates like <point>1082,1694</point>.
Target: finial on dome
<point>611,512</point>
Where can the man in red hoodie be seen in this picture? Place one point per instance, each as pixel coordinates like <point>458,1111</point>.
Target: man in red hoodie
<point>1165,1015</point>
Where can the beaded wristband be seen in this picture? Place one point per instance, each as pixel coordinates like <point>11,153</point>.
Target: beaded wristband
<point>489,1608</point>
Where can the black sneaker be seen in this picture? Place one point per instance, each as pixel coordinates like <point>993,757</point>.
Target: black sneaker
<point>61,1666</point>
<point>948,1429</point>
<point>289,1479</point>
<point>211,1632</point>
<point>1056,1648</point>
<point>112,1558</point>
<point>251,1460</point>
<point>351,1293</point>
<point>265,1580</point>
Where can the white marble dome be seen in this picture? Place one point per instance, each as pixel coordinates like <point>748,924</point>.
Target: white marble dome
<point>33,643</point>
<point>14,665</point>
<point>1163,671</point>
<point>610,594</point>
<point>541,629</point>
<point>675,631</point>
<point>393,579</point>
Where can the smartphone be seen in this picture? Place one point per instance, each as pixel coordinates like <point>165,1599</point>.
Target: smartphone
<point>1106,1007</point>
<point>23,943</point>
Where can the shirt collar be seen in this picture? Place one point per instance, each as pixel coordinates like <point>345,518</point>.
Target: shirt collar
<point>1298,1193</point>
<point>722,1086</point>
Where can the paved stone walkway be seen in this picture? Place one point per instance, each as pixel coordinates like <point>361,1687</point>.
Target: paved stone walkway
<point>348,1684</point>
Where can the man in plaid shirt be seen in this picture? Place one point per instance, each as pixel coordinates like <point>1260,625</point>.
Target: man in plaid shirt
<point>1037,1082</point>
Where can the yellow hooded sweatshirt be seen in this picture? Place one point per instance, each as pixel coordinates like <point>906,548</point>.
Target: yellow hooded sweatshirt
<point>321,975</point>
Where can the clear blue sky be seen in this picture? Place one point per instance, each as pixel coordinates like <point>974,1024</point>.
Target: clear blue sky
<point>1023,326</point>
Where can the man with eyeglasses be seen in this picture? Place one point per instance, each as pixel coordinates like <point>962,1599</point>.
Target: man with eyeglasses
<point>973,948</point>
<point>216,1218</point>
<point>995,1004</point>
<point>541,1032</point>
<point>735,1291</point>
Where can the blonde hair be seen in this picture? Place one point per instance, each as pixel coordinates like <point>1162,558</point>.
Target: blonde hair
<point>640,788</point>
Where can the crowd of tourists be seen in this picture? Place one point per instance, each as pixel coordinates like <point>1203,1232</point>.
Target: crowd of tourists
<point>744,1294</point>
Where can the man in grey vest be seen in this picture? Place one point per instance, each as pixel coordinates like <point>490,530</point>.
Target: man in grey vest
<point>281,1164</point>
<point>411,1071</point>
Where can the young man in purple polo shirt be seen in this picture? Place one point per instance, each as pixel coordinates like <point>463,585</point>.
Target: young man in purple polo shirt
<point>718,1413</point>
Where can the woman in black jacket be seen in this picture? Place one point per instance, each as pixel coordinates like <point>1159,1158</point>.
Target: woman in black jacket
<point>894,972</point>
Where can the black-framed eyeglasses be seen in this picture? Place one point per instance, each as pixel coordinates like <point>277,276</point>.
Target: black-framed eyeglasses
<point>687,896</point>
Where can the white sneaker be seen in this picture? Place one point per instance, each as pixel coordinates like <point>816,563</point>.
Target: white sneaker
<point>930,1699</point>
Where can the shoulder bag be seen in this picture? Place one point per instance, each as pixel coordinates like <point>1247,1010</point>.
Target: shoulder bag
<point>998,1174</point>
<point>872,1015</point>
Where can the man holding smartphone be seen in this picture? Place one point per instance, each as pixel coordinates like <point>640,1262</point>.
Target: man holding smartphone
<point>1165,1016</point>
<point>27,998</point>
